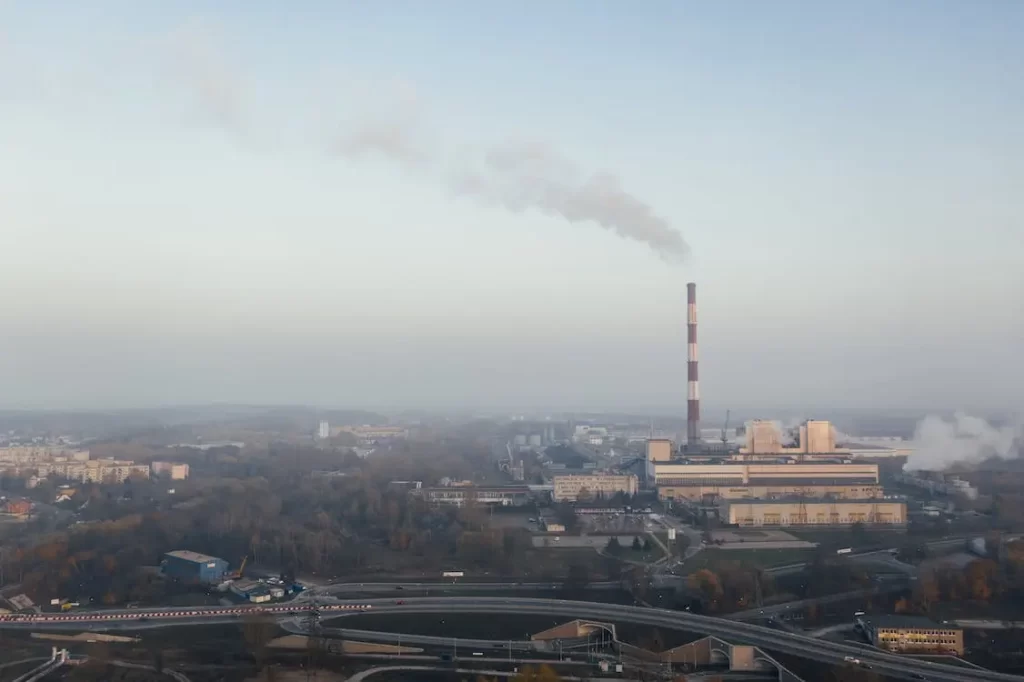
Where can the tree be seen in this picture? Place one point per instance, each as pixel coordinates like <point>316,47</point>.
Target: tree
<point>258,629</point>
<point>637,545</point>
<point>577,579</point>
<point>707,584</point>
<point>647,545</point>
<point>613,547</point>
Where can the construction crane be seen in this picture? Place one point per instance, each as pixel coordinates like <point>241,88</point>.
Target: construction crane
<point>241,569</point>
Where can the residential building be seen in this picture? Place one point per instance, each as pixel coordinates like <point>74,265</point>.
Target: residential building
<point>913,634</point>
<point>20,455</point>
<point>105,470</point>
<point>176,471</point>
<point>568,488</point>
<point>799,512</point>
<point>323,431</point>
<point>193,567</point>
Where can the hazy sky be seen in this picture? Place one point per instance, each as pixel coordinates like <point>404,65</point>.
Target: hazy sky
<point>400,203</point>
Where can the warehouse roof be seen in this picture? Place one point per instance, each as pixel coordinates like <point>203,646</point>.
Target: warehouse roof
<point>187,555</point>
<point>900,621</point>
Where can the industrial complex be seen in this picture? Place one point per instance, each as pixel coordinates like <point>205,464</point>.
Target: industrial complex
<point>774,478</point>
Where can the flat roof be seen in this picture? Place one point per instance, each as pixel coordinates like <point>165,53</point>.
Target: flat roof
<point>891,620</point>
<point>813,500</point>
<point>188,555</point>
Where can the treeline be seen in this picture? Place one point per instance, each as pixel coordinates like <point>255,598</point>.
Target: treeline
<point>266,505</point>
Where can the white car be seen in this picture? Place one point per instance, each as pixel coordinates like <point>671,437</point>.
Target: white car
<point>851,659</point>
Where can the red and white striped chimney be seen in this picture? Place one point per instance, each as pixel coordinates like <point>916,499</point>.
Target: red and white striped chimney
<point>692,390</point>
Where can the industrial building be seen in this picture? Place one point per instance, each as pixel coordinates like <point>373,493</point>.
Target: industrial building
<point>938,483</point>
<point>193,567</point>
<point>506,496</point>
<point>696,493</point>
<point>659,450</point>
<point>814,438</point>
<point>799,512</point>
<point>569,488</point>
<point>774,473</point>
<point>913,634</point>
<point>176,471</point>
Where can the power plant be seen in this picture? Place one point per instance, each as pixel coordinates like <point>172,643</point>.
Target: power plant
<point>769,469</point>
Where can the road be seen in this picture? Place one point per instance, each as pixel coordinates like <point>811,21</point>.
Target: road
<point>773,640</point>
<point>397,588</point>
<point>770,639</point>
<point>794,606</point>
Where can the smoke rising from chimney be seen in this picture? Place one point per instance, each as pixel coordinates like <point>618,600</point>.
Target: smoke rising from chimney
<point>516,175</point>
<point>939,443</point>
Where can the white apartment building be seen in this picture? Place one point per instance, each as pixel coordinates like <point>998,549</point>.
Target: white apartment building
<point>107,470</point>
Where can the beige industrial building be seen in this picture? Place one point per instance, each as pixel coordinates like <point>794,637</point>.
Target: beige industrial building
<point>568,488</point>
<point>816,437</point>
<point>796,512</point>
<point>735,474</point>
<point>94,470</point>
<point>659,450</point>
<point>697,493</point>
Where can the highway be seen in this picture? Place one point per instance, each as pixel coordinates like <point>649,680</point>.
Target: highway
<point>734,631</point>
<point>770,639</point>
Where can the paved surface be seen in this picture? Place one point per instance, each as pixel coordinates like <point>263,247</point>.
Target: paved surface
<point>770,639</point>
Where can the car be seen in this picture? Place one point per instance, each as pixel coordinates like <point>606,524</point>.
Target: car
<point>399,587</point>
<point>400,602</point>
<point>851,659</point>
<point>918,676</point>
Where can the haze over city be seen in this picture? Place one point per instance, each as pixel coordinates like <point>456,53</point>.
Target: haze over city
<point>452,204</point>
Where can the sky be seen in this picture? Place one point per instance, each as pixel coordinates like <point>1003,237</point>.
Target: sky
<point>497,205</point>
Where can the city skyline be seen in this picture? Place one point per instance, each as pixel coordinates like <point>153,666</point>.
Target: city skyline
<point>356,207</point>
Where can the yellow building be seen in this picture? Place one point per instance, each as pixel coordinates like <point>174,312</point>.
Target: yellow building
<point>102,470</point>
<point>913,634</point>
<point>816,512</point>
<point>700,492</point>
<point>568,488</point>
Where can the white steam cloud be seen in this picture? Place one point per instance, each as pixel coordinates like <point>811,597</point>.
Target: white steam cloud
<point>939,443</point>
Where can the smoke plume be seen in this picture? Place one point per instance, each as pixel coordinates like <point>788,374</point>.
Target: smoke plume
<point>523,176</point>
<point>939,443</point>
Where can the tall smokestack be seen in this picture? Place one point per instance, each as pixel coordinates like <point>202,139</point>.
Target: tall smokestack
<point>692,390</point>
